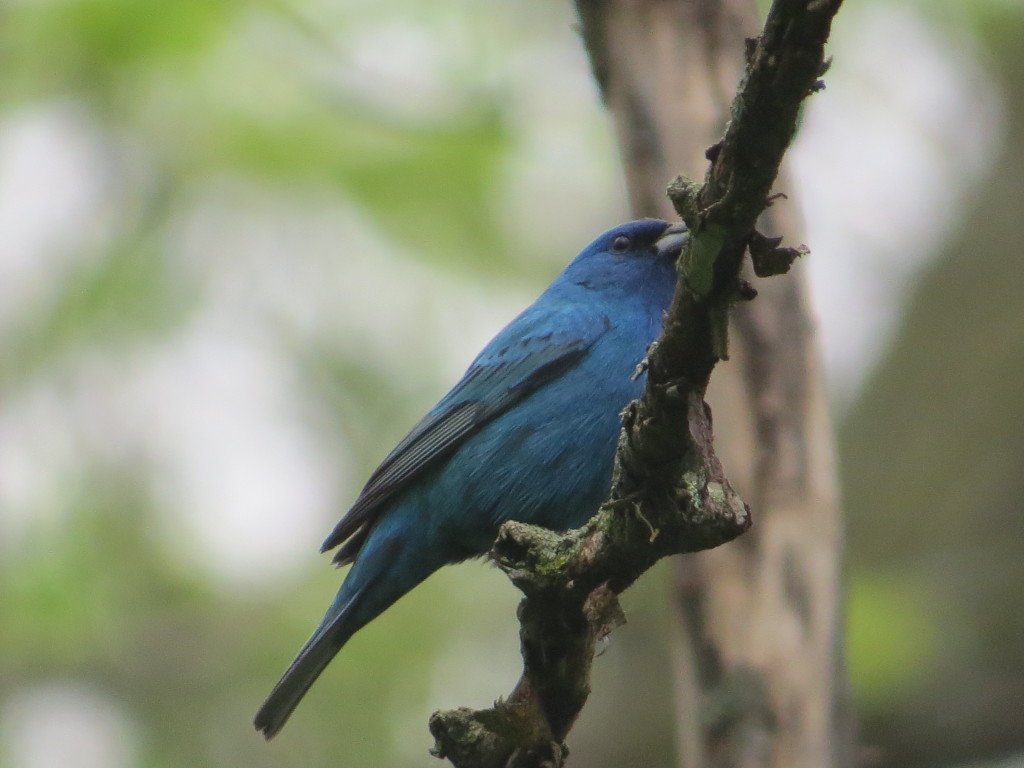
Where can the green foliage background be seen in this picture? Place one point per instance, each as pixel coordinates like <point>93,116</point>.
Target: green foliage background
<point>232,112</point>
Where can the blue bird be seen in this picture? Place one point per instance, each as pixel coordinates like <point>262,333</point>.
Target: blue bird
<point>528,434</point>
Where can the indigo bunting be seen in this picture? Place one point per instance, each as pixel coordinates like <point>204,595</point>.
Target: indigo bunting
<point>529,434</point>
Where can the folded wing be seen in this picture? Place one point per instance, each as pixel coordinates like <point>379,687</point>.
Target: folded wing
<point>533,350</point>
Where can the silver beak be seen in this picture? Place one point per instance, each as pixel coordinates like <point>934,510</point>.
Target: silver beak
<point>671,241</point>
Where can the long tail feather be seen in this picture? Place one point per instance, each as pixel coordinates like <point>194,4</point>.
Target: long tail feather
<point>315,655</point>
<point>388,566</point>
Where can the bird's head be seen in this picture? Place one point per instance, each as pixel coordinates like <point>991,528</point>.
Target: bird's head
<point>636,256</point>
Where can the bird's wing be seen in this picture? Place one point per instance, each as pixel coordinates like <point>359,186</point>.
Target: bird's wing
<point>531,351</point>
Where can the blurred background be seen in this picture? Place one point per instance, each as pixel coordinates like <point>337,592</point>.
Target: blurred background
<point>244,246</point>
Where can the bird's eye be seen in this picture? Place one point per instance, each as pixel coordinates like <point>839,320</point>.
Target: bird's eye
<point>621,244</point>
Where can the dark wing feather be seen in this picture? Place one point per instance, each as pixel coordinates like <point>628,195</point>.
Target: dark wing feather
<point>534,349</point>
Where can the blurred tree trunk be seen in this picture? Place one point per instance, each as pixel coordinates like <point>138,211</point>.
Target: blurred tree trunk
<point>760,678</point>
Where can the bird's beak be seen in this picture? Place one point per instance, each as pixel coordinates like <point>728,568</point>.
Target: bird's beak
<point>671,241</point>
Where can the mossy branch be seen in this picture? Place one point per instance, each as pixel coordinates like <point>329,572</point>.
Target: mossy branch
<point>669,493</point>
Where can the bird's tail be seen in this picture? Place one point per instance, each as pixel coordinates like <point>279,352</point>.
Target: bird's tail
<point>388,566</point>
<point>315,655</point>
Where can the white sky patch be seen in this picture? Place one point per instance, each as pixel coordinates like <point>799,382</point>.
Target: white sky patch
<point>562,185</point>
<point>312,265</point>
<point>51,191</point>
<point>37,459</point>
<point>234,458</point>
<point>402,57</point>
<point>214,421</point>
<point>65,724</point>
<point>887,155</point>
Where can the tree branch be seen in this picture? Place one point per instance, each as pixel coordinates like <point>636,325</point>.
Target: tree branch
<point>669,494</point>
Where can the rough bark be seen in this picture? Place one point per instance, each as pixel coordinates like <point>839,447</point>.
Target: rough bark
<point>760,676</point>
<point>669,493</point>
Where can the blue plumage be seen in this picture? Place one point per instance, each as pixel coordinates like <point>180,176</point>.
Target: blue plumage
<point>528,434</point>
